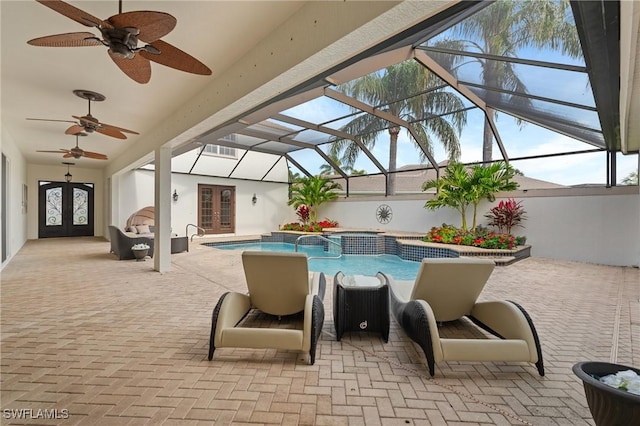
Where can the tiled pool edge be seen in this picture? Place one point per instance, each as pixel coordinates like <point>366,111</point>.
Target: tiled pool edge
<point>406,246</point>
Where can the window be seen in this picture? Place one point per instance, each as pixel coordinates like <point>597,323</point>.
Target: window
<point>221,151</point>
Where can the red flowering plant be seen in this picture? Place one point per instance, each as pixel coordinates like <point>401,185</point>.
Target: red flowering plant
<point>310,227</point>
<point>303,213</point>
<point>327,223</point>
<point>506,215</point>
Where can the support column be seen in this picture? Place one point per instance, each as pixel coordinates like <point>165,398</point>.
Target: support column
<point>113,195</point>
<point>162,239</point>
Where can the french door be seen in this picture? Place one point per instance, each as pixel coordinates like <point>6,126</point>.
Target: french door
<point>65,209</point>
<point>217,209</point>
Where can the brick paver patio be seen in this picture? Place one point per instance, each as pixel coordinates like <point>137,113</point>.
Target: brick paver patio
<point>108,342</point>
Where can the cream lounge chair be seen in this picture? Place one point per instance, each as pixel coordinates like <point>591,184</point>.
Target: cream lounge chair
<point>279,284</point>
<point>446,289</point>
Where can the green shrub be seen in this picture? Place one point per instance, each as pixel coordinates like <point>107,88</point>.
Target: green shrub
<point>481,237</point>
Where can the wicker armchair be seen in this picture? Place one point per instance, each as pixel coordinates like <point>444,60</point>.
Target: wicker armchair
<point>121,243</point>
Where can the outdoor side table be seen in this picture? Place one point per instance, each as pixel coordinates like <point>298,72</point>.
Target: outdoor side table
<point>360,303</point>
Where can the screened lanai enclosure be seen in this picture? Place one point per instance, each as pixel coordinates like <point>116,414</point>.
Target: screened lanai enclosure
<point>535,84</point>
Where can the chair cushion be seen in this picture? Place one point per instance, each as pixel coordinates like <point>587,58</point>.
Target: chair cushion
<point>484,350</point>
<point>143,229</point>
<point>262,338</point>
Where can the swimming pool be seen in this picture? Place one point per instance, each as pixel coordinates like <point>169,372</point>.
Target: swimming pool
<point>349,264</point>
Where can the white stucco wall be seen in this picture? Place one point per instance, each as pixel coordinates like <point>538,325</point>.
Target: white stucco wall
<point>270,210</point>
<point>594,225</point>
<point>16,218</point>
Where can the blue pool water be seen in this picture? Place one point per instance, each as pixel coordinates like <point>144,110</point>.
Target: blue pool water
<point>349,264</point>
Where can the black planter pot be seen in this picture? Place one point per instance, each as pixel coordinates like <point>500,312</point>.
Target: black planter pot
<point>609,406</point>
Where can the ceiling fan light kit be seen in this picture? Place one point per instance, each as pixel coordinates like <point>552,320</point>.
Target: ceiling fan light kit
<point>77,152</point>
<point>88,123</point>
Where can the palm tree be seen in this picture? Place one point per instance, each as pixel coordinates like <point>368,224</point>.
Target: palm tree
<point>503,29</point>
<point>631,179</point>
<point>293,176</point>
<point>489,180</point>
<point>312,192</point>
<point>454,189</point>
<point>327,169</point>
<point>394,90</point>
<point>461,187</point>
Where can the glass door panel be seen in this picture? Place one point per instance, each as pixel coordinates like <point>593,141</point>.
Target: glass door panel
<point>65,209</point>
<point>216,209</point>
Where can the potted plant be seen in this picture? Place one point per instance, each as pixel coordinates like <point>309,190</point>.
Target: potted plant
<point>140,251</point>
<point>612,392</point>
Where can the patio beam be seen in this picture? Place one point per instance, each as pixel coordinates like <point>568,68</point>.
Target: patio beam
<point>237,164</point>
<point>275,163</point>
<point>529,96</point>
<point>295,163</point>
<point>433,66</point>
<point>544,64</point>
<point>333,132</point>
<point>352,102</point>
<point>290,141</point>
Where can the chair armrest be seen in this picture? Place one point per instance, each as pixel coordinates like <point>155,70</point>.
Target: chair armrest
<point>507,320</point>
<point>233,307</point>
<point>400,289</point>
<point>312,326</point>
<point>317,284</point>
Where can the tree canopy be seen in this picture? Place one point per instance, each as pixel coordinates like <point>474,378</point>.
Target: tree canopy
<point>411,92</point>
<point>462,187</point>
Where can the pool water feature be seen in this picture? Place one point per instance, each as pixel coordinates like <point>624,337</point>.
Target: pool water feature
<point>349,264</point>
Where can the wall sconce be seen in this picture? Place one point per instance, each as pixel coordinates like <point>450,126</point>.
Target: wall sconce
<point>175,195</point>
<point>68,176</point>
<point>254,199</point>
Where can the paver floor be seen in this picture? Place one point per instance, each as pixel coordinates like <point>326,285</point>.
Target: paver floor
<point>97,341</point>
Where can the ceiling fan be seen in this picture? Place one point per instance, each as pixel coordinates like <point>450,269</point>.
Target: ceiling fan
<point>77,152</point>
<point>120,33</point>
<point>88,123</point>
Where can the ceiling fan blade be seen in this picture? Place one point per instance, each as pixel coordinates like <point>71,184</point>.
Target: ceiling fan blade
<point>69,155</point>
<point>71,12</point>
<point>152,25</point>
<point>173,57</point>
<point>66,40</point>
<point>121,129</point>
<point>46,119</point>
<point>110,131</point>
<point>137,68</point>
<point>73,130</point>
<point>94,155</point>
